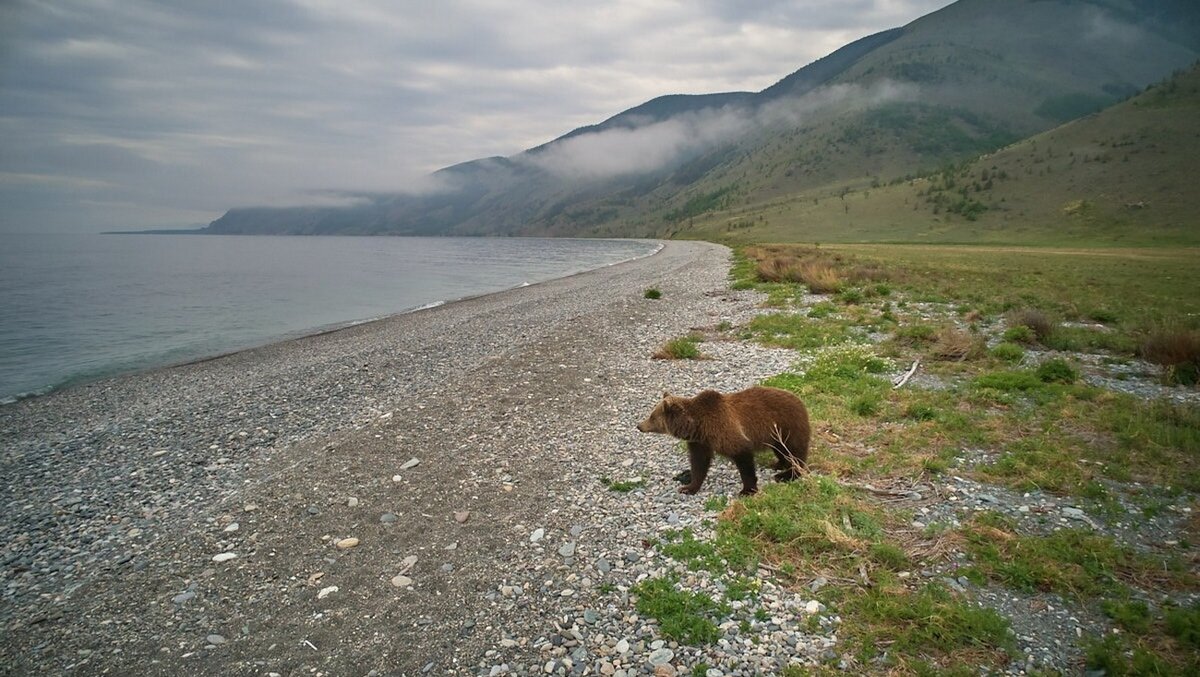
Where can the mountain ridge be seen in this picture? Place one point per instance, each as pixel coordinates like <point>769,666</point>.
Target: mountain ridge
<point>960,81</point>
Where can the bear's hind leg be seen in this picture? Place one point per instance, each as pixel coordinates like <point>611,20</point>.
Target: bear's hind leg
<point>745,466</point>
<point>789,467</point>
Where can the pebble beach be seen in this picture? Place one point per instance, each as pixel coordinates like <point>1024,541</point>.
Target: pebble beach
<point>420,494</point>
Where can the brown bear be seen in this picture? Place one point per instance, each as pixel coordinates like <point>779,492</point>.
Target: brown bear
<point>735,426</point>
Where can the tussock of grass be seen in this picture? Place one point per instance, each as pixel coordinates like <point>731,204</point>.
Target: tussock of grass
<point>1008,352</point>
<point>1057,371</point>
<point>1037,322</point>
<point>1177,351</point>
<point>951,343</point>
<point>1020,334</point>
<point>652,293</point>
<point>682,348</point>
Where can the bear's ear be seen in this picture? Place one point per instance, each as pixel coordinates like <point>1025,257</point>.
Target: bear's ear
<point>666,395</point>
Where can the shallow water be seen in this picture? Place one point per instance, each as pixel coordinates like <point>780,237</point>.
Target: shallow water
<point>78,307</point>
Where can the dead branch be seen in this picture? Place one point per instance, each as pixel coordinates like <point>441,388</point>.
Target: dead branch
<point>904,379</point>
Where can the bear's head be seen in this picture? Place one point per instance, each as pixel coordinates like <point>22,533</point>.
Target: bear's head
<point>670,417</point>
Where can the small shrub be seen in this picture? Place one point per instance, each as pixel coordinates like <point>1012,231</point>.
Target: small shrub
<point>1103,316</point>
<point>1176,351</point>
<point>1020,334</point>
<point>1057,371</point>
<point>683,348</point>
<point>1009,352</point>
<point>652,293</point>
<point>1036,320</point>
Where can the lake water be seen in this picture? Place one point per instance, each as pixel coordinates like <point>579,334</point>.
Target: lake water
<point>79,307</point>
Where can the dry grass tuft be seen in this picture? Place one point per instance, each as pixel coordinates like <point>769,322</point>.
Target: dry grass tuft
<point>951,343</point>
<point>1175,350</point>
<point>1036,320</point>
<point>820,271</point>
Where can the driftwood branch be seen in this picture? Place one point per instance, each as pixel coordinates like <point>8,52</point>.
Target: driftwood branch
<point>904,379</point>
<point>896,493</point>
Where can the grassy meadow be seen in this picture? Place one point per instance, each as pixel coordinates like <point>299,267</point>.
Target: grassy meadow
<point>1004,337</point>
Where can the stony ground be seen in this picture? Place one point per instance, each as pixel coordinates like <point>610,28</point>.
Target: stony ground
<point>196,518</point>
<point>428,494</point>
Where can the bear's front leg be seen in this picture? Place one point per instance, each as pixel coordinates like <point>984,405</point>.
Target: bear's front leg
<point>700,458</point>
<point>745,466</point>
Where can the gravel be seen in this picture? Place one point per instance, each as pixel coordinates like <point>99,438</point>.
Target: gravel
<point>120,495</point>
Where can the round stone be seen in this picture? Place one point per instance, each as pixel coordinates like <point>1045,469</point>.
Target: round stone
<point>661,656</point>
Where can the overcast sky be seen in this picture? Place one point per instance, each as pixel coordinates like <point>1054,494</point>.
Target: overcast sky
<point>124,113</point>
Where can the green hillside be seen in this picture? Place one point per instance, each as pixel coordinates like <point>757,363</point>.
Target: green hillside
<point>1124,176</point>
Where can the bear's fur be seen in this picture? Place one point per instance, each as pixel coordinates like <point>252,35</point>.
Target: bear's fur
<point>735,426</point>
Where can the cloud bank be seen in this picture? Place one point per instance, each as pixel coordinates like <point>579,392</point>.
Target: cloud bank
<point>652,146</point>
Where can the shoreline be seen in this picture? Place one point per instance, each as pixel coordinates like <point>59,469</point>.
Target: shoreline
<point>119,372</point>
<point>120,493</point>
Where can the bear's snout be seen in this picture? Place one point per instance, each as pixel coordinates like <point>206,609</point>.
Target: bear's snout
<point>642,427</point>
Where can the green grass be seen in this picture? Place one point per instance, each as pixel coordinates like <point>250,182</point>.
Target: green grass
<point>652,293</point>
<point>924,623</point>
<point>1057,370</point>
<point>1073,562</point>
<point>1008,352</point>
<point>1036,428</point>
<point>622,486</point>
<point>821,528</point>
<point>684,616</point>
<point>796,331</point>
<point>1153,642</point>
<point>696,554</point>
<point>682,348</point>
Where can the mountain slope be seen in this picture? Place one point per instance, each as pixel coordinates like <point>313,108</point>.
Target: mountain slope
<point>956,83</point>
<point>1124,176</point>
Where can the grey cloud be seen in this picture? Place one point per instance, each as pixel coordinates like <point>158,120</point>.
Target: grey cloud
<point>202,106</point>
